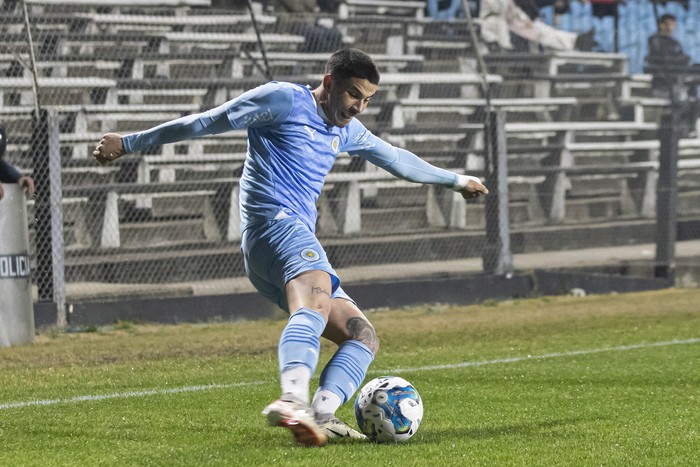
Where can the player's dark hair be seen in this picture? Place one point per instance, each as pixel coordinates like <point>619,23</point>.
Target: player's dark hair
<point>352,63</point>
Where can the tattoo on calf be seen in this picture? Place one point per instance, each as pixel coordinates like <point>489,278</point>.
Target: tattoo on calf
<point>360,330</point>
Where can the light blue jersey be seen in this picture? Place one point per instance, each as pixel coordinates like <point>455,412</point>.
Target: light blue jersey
<point>291,149</point>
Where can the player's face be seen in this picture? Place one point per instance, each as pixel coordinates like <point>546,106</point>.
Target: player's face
<point>347,99</point>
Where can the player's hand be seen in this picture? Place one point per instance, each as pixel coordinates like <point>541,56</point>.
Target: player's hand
<point>26,183</point>
<point>2,192</point>
<point>109,148</point>
<point>471,187</point>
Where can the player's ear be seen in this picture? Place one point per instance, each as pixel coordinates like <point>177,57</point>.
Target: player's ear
<point>327,80</point>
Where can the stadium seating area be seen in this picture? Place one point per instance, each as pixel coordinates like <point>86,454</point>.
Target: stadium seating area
<point>581,129</point>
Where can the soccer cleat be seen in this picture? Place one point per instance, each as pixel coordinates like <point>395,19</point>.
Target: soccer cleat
<point>335,428</point>
<point>297,417</point>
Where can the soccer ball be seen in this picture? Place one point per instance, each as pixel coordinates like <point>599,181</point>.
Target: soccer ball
<point>388,409</point>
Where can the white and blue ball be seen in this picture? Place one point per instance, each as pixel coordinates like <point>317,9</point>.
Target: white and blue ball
<point>388,410</point>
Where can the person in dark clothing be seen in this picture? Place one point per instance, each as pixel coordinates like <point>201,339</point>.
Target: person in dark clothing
<point>672,72</point>
<point>9,174</point>
<point>665,52</point>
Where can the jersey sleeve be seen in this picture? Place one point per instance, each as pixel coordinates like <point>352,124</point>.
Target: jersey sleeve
<point>8,174</point>
<point>264,105</point>
<point>398,162</point>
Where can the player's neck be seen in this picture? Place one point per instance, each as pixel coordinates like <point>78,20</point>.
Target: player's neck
<point>320,98</point>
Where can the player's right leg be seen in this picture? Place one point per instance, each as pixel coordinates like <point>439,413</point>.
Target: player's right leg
<point>286,263</point>
<point>298,351</point>
<point>299,419</point>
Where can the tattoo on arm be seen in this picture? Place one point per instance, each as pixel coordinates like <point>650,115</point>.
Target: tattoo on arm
<point>363,331</point>
<point>320,290</point>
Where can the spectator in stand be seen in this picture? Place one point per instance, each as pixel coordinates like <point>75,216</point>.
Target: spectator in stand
<point>670,67</point>
<point>9,174</point>
<point>329,6</point>
<point>319,35</point>
<point>665,52</point>
<point>445,10</point>
<point>501,17</point>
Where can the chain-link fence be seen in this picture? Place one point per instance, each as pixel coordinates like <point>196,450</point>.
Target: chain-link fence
<point>579,142</point>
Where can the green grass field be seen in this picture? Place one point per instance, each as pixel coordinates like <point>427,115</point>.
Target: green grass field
<point>600,380</point>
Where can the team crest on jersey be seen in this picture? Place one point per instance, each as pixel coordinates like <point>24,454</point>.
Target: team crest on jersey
<point>309,254</point>
<point>335,144</point>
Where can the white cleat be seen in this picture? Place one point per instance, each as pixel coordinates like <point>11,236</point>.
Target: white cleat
<point>335,428</point>
<point>297,417</point>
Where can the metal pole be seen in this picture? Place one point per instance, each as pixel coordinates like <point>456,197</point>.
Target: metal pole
<point>666,197</point>
<point>42,203</point>
<point>261,43</point>
<point>497,256</point>
<point>35,80</point>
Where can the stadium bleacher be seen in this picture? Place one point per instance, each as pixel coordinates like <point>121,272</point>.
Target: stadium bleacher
<point>581,129</point>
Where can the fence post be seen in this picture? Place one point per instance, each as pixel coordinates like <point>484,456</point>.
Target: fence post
<point>497,257</point>
<point>16,312</point>
<point>666,197</point>
<point>46,158</point>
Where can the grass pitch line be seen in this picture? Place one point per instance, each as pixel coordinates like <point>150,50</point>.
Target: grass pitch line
<point>573,353</point>
<point>207,387</point>
<point>128,394</point>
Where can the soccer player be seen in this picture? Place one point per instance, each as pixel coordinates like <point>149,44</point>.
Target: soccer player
<point>294,135</point>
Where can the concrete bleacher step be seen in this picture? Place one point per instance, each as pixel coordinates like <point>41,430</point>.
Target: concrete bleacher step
<point>688,180</point>
<point>602,158</point>
<point>689,202</point>
<point>396,197</point>
<point>597,208</point>
<point>161,233</point>
<point>522,213</point>
<point>202,171</point>
<point>393,219</point>
<point>211,260</point>
<point>149,265</point>
<point>596,185</point>
<point>186,205</point>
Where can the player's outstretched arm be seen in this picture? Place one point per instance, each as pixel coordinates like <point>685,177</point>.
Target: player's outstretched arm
<point>109,148</point>
<point>470,187</point>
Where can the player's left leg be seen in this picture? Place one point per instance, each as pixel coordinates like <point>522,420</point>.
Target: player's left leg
<point>345,371</point>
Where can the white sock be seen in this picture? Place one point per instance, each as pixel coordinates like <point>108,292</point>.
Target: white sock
<point>325,402</point>
<point>295,382</point>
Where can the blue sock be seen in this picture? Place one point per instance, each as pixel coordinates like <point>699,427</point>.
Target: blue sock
<point>300,341</point>
<point>346,370</point>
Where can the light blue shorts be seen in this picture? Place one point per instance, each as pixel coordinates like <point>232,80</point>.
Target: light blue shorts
<point>277,251</point>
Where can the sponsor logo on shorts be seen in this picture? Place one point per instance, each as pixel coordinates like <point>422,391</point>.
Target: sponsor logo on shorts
<point>309,254</point>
